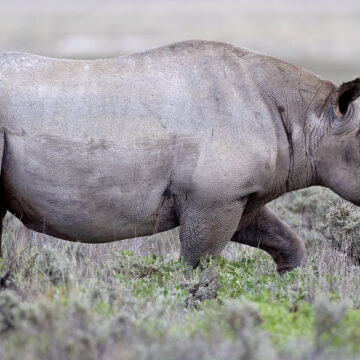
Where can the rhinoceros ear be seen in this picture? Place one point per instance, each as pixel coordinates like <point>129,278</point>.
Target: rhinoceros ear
<point>345,95</point>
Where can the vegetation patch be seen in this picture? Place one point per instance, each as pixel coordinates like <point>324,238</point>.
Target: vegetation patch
<point>69,301</point>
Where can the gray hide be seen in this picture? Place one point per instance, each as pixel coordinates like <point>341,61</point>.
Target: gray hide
<point>197,134</point>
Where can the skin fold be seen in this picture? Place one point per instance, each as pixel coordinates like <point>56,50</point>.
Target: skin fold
<point>197,134</point>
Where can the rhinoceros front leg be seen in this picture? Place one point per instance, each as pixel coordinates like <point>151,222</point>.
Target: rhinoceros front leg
<point>206,228</point>
<point>263,229</point>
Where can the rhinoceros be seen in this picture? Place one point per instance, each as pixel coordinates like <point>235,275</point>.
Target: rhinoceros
<point>198,135</point>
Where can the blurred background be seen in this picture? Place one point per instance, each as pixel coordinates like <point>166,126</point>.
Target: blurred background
<point>323,36</point>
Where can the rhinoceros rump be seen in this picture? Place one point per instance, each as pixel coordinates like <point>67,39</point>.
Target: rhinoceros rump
<point>196,134</point>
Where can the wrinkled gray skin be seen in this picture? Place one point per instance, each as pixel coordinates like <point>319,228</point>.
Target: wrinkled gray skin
<point>197,134</point>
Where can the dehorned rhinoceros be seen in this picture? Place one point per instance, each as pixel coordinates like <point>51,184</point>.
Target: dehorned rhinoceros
<point>196,134</point>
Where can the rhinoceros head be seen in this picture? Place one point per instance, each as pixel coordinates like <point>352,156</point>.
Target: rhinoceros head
<point>338,164</point>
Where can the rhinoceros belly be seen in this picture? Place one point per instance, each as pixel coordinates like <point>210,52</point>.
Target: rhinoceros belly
<point>88,190</point>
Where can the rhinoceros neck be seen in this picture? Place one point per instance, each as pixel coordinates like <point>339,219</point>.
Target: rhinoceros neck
<point>297,100</point>
<point>301,115</point>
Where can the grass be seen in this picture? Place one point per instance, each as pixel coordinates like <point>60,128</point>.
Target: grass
<point>71,301</point>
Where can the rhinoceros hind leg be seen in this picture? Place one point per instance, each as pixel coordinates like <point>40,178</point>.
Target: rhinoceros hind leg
<point>206,229</point>
<point>266,231</point>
